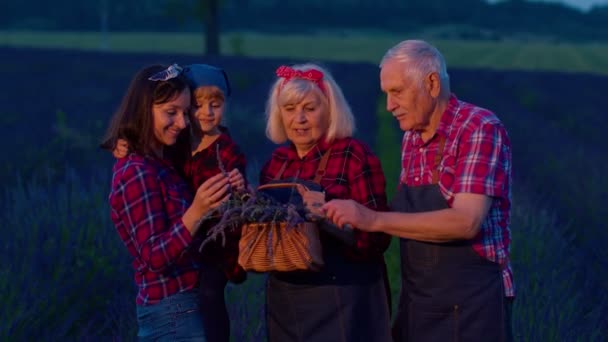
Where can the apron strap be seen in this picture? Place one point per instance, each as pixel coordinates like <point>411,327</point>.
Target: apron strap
<point>438,157</point>
<point>281,170</point>
<point>406,172</point>
<point>320,170</point>
<point>322,166</point>
<point>437,161</point>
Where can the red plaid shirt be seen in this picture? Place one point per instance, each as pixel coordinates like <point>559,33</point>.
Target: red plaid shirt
<point>352,172</point>
<point>202,166</point>
<point>148,199</point>
<point>476,159</point>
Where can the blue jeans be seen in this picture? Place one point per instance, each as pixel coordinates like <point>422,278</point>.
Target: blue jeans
<point>175,318</point>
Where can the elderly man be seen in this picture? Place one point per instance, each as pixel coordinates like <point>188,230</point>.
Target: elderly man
<point>452,209</point>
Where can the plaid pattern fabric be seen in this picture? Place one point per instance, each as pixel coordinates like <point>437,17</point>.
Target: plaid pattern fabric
<point>353,172</point>
<point>476,159</point>
<point>147,200</point>
<point>202,166</point>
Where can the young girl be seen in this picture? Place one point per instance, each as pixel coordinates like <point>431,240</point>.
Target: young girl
<point>154,210</point>
<point>209,151</point>
<point>210,144</point>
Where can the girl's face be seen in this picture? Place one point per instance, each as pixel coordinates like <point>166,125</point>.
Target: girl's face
<point>208,109</point>
<point>170,118</point>
<point>305,122</point>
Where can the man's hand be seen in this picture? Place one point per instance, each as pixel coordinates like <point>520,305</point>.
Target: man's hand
<point>349,212</point>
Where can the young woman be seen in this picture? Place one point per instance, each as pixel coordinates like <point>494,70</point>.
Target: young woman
<point>206,151</point>
<point>154,210</point>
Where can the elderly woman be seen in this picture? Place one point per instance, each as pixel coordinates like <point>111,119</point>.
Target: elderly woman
<point>347,299</point>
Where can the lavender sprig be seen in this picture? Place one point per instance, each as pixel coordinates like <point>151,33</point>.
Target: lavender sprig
<point>250,207</point>
<point>220,163</point>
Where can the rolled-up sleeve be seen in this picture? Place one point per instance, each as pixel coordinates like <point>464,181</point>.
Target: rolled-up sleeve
<point>484,162</point>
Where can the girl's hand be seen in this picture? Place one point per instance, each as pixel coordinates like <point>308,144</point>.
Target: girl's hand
<point>236,179</point>
<point>121,149</point>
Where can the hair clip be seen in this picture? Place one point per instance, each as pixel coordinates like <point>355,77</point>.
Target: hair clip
<point>172,71</point>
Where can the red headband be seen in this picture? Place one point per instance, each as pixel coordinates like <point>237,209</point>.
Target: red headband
<point>313,75</point>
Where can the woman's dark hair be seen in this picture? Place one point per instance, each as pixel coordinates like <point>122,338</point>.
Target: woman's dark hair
<point>133,120</point>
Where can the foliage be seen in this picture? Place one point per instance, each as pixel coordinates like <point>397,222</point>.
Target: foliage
<point>533,18</point>
<point>205,11</point>
<point>61,258</point>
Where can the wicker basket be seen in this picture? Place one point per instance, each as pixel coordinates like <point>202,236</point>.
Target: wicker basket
<point>266,247</point>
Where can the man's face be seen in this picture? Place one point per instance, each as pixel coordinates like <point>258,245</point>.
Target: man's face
<point>408,99</point>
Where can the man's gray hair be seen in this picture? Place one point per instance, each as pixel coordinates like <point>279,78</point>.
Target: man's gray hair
<point>421,59</point>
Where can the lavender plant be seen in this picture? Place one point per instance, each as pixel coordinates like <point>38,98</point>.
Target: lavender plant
<point>249,206</point>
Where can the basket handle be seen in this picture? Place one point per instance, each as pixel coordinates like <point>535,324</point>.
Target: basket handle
<point>280,185</point>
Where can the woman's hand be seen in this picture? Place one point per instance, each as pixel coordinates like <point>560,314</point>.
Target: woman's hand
<point>212,193</point>
<point>236,179</point>
<point>121,149</point>
<point>313,200</point>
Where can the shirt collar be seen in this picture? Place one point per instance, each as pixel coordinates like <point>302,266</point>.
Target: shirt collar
<point>448,116</point>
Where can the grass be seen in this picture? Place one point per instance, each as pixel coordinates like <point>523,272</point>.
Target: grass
<point>556,300</point>
<point>62,280</point>
<point>346,46</point>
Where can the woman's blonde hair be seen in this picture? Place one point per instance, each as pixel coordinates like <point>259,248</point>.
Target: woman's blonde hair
<point>341,120</point>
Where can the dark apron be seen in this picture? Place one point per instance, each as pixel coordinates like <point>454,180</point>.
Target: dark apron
<point>448,291</point>
<point>344,301</point>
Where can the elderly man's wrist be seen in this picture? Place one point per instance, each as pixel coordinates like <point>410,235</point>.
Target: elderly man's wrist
<point>375,224</point>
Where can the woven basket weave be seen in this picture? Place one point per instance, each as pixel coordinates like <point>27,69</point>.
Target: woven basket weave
<point>266,247</point>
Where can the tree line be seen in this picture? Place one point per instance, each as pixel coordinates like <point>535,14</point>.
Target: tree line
<point>474,19</point>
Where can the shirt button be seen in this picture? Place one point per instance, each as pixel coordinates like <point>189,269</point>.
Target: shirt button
<point>421,149</point>
<point>417,179</point>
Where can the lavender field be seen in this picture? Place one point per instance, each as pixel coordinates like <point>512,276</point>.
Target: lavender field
<point>66,275</point>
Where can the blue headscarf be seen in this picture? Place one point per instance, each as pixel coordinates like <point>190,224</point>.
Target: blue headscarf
<point>200,75</point>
